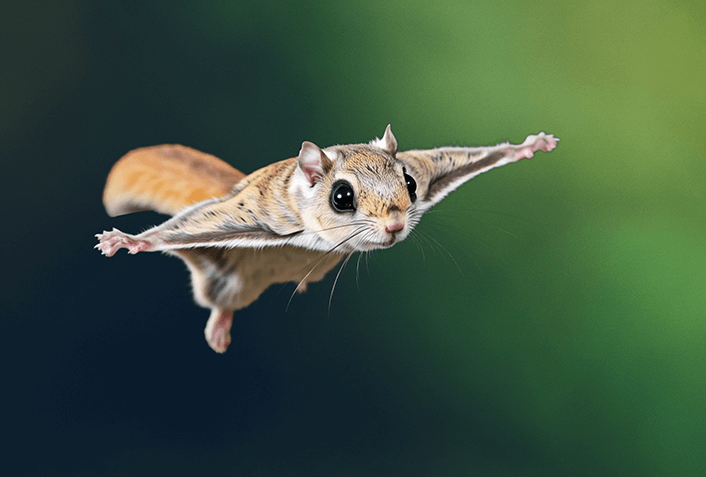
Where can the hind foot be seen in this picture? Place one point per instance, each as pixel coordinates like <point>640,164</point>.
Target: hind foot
<point>217,330</point>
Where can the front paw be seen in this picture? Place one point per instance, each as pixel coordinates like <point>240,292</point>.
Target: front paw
<point>111,242</point>
<point>540,142</point>
<point>534,143</point>
<point>546,142</point>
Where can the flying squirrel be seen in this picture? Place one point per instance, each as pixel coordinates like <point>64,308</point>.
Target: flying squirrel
<point>292,220</point>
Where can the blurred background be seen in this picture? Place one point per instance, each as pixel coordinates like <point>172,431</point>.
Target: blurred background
<point>550,321</point>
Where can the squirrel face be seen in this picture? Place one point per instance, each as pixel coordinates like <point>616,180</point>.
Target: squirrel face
<point>364,200</point>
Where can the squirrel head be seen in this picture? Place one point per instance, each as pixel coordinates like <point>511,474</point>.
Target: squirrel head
<point>357,197</point>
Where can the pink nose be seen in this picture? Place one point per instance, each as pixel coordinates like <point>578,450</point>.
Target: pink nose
<point>394,227</point>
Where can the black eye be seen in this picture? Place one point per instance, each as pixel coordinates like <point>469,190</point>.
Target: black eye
<point>411,186</point>
<point>342,197</point>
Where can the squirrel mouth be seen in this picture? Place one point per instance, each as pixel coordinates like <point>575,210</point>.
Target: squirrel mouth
<point>380,245</point>
<point>390,242</point>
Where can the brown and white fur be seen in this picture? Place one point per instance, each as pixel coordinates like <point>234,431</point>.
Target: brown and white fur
<point>294,219</point>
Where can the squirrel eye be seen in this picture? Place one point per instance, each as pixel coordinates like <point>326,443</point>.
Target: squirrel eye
<point>411,186</point>
<point>342,197</point>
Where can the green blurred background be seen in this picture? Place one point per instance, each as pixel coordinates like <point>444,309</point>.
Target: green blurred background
<point>557,328</point>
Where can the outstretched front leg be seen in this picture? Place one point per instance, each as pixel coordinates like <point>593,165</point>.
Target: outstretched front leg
<point>254,216</point>
<point>440,171</point>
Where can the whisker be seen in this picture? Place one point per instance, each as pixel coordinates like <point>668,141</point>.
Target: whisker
<point>444,248</point>
<point>464,210</point>
<point>357,271</point>
<point>343,265</point>
<point>507,232</point>
<point>496,213</point>
<point>291,297</point>
<point>463,230</point>
<point>474,261</point>
<point>425,237</point>
<point>334,227</point>
<point>435,211</point>
<point>326,255</point>
<point>413,236</point>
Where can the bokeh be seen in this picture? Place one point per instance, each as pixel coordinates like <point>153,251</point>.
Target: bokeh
<point>548,318</point>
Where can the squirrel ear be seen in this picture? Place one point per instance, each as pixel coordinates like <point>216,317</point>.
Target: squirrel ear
<point>388,143</point>
<point>313,162</point>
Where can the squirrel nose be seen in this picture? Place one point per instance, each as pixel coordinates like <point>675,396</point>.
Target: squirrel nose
<point>395,226</point>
